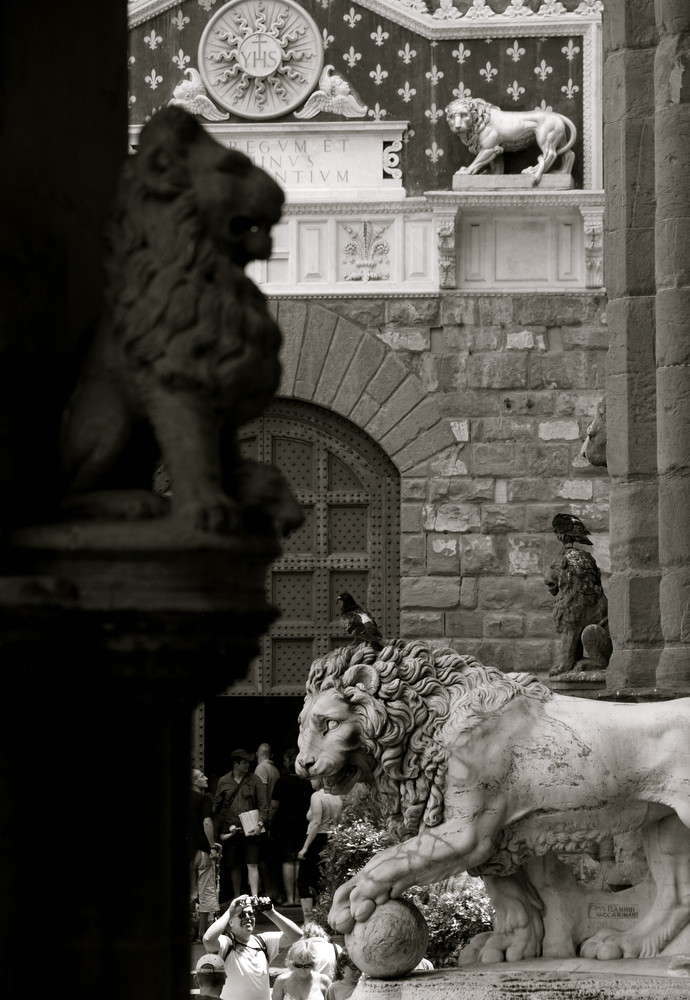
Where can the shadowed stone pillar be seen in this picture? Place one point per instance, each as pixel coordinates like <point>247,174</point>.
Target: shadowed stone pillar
<point>633,591</point>
<point>672,145</point>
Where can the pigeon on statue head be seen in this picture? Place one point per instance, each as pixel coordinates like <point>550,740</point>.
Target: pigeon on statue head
<point>570,529</point>
<point>357,622</point>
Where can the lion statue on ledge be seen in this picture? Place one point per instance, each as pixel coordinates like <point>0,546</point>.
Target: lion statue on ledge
<point>488,132</point>
<point>187,351</point>
<point>490,773</point>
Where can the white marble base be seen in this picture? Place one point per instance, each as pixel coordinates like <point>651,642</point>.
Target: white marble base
<point>511,182</point>
<point>548,979</point>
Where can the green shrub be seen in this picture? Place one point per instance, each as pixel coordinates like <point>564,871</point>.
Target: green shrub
<point>455,910</point>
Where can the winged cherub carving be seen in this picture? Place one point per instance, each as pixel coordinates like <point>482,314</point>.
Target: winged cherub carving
<point>334,96</point>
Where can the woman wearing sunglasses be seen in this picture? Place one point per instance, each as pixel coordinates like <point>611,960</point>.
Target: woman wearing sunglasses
<point>301,981</point>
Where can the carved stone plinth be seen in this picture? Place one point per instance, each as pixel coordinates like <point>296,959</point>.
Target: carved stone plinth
<point>511,182</point>
<point>579,683</point>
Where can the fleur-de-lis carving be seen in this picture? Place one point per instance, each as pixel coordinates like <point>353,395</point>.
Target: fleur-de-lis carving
<point>206,4</point>
<point>407,92</point>
<point>352,17</point>
<point>433,113</point>
<point>514,51</point>
<point>179,20</point>
<point>378,75</point>
<point>366,250</point>
<point>461,91</point>
<point>131,60</point>
<point>181,59</point>
<point>515,90</point>
<point>542,70</point>
<point>352,57</point>
<point>480,8</point>
<point>377,112</point>
<point>132,98</point>
<point>434,152</point>
<point>461,53</point>
<point>570,89</point>
<point>488,72</point>
<point>543,106</point>
<point>152,40</point>
<point>153,79</point>
<point>327,39</point>
<point>516,8</point>
<point>379,36</point>
<point>434,75</point>
<point>407,54</point>
<point>570,50</point>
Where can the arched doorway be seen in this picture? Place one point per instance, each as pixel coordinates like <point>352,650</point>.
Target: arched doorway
<point>349,490</point>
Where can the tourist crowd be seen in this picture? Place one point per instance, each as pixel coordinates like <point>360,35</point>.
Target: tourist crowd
<point>262,830</point>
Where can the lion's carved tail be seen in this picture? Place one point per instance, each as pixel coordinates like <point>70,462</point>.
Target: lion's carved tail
<point>573,137</point>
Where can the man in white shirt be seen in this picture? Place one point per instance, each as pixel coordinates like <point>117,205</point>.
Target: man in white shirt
<point>247,955</point>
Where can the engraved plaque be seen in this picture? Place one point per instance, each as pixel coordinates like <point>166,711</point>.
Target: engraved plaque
<point>260,58</point>
<point>614,911</point>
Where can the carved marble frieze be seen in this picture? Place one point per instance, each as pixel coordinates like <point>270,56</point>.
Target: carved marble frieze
<point>381,60</point>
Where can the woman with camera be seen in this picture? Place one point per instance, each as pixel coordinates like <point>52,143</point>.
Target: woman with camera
<point>247,955</point>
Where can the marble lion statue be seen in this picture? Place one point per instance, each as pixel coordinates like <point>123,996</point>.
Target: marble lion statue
<point>187,351</point>
<point>488,132</point>
<point>492,773</point>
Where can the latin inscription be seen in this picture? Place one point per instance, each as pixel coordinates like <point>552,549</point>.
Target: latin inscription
<point>313,162</point>
<point>613,911</point>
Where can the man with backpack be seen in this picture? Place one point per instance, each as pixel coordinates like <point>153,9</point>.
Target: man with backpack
<point>246,955</point>
<point>239,802</point>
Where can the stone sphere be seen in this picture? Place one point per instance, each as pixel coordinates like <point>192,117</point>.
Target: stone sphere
<point>391,942</point>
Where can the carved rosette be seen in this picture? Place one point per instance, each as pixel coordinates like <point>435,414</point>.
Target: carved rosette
<point>594,248</point>
<point>260,59</point>
<point>447,272</point>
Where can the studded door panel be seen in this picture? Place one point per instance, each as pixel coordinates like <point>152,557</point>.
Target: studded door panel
<point>349,491</point>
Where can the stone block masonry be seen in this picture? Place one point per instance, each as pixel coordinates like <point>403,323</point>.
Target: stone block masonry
<point>482,402</point>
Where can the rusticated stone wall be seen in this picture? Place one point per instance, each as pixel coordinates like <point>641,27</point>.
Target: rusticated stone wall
<point>482,401</point>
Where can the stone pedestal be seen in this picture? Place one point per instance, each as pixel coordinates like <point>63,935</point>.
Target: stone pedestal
<point>110,635</point>
<point>548,979</point>
<point>511,182</point>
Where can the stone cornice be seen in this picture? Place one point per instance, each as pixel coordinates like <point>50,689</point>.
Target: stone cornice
<point>450,201</point>
<point>358,207</point>
<point>412,14</point>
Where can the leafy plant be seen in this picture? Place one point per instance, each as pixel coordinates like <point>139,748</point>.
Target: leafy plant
<point>455,910</point>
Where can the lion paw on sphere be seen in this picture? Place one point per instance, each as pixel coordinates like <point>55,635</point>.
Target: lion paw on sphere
<point>187,351</point>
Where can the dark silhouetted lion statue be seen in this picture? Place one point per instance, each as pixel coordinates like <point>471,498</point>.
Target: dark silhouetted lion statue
<point>187,351</point>
<point>492,773</point>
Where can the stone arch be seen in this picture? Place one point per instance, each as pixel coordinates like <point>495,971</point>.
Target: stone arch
<point>330,360</point>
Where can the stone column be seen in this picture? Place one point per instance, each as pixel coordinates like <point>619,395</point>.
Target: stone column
<point>672,155</point>
<point>630,43</point>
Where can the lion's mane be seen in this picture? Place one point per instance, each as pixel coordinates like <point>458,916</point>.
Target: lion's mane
<point>412,700</point>
<point>480,113</point>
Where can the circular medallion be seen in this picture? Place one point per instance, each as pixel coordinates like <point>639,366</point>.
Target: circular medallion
<point>260,58</point>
